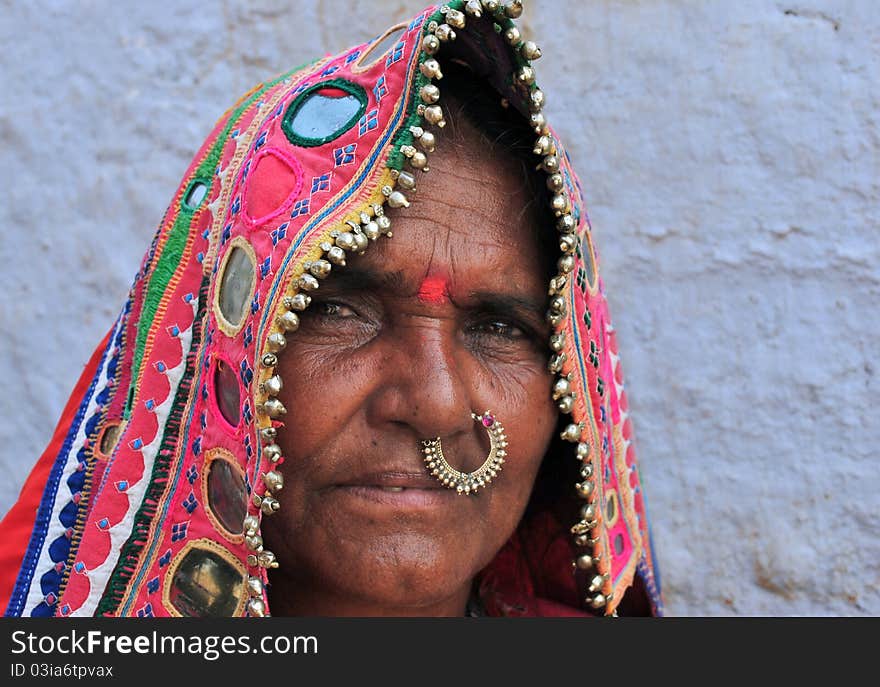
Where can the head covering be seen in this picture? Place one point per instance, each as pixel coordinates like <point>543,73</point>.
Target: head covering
<point>148,500</point>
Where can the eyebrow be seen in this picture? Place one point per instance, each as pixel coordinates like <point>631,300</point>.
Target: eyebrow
<point>365,279</point>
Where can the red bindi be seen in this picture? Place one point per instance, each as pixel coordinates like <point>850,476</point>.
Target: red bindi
<point>434,290</point>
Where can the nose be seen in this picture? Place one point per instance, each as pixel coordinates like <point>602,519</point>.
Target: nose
<point>423,384</point>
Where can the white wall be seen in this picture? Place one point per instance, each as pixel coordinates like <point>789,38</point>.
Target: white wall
<point>730,156</point>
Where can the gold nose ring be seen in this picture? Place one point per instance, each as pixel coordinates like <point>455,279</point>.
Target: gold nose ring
<point>469,482</point>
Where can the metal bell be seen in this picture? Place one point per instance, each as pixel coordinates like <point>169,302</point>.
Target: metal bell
<point>272,386</point>
<point>274,408</point>
<point>571,433</point>
<point>561,388</point>
<point>320,268</point>
<point>276,342</point>
<point>274,481</point>
<point>300,301</point>
<point>289,321</point>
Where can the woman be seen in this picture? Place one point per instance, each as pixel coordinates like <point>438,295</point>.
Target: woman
<point>297,412</point>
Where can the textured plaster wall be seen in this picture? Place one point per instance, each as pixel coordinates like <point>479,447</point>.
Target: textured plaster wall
<point>730,156</point>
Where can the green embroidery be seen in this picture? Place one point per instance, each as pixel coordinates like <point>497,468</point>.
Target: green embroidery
<point>306,142</point>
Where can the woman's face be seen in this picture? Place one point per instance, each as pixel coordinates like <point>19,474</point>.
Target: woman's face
<point>444,319</point>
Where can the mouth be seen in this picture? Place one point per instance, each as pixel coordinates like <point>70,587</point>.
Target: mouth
<point>398,489</point>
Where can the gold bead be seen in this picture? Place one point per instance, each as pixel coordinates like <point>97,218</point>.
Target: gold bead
<point>586,562</point>
<point>272,453</point>
<point>336,255</point>
<point>557,341</point>
<point>588,512</point>
<point>274,481</point>
<point>561,388</point>
<point>430,68</point>
<point>419,161</point>
<point>565,264</point>
<point>256,608</point>
<point>430,44</point>
<point>556,362</point>
<point>525,75</point>
<point>455,18</point>
<point>384,224</point>
<point>543,146</point>
<point>512,36</point>
<point>307,282</point>
<point>269,505</point>
<point>300,301</point>
<point>557,284</point>
<point>565,404</point>
<point>445,33</point>
<point>429,94</point>
<point>550,164</point>
<point>434,115</point>
<point>538,122</point>
<point>491,6</point>
<point>513,9</point>
<point>427,141</point>
<point>254,542</point>
<point>583,451</point>
<point>407,181</point>
<point>567,243</point>
<point>272,386</point>
<point>371,229</point>
<point>555,182</point>
<point>266,559</point>
<point>571,433</point>
<point>289,321</point>
<point>585,489</point>
<point>255,586</point>
<point>274,408</point>
<point>530,50</point>
<point>269,360</point>
<point>398,200</point>
<point>560,204</point>
<point>251,524</point>
<point>566,224</point>
<point>320,268</point>
<point>360,242</point>
<point>586,471</point>
<point>473,8</point>
<point>276,342</point>
<point>557,304</point>
<point>596,584</point>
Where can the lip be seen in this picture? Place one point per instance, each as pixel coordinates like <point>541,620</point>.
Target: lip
<point>397,489</point>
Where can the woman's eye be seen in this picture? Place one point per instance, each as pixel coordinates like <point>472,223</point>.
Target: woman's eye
<point>336,310</point>
<point>498,328</point>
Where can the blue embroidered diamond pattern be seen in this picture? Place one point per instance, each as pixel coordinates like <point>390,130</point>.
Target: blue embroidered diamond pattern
<point>344,156</point>
<point>395,54</point>
<point>602,415</point>
<point>248,335</point>
<point>165,558</point>
<point>380,90</point>
<point>299,89</point>
<point>178,530</point>
<point>235,208</point>
<point>265,266</point>
<point>261,140</point>
<point>197,446</point>
<point>246,412</point>
<point>416,23</point>
<point>203,421</point>
<point>600,386</point>
<point>279,233</point>
<point>190,503</point>
<point>321,183</point>
<point>352,56</point>
<point>245,170</point>
<point>247,446</point>
<point>368,122</point>
<point>255,305</point>
<point>146,611</point>
<point>588,319</point>
<point>300,207</point>
<point>594,357</point>
<point>582,279</point>
<point>332,68</point>
<point>192,474</point>
<point>153,585</point>
<point>247,374</point>
<point>227,234</point>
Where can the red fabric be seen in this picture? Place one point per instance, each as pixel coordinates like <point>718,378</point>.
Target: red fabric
<point>19,521</point>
